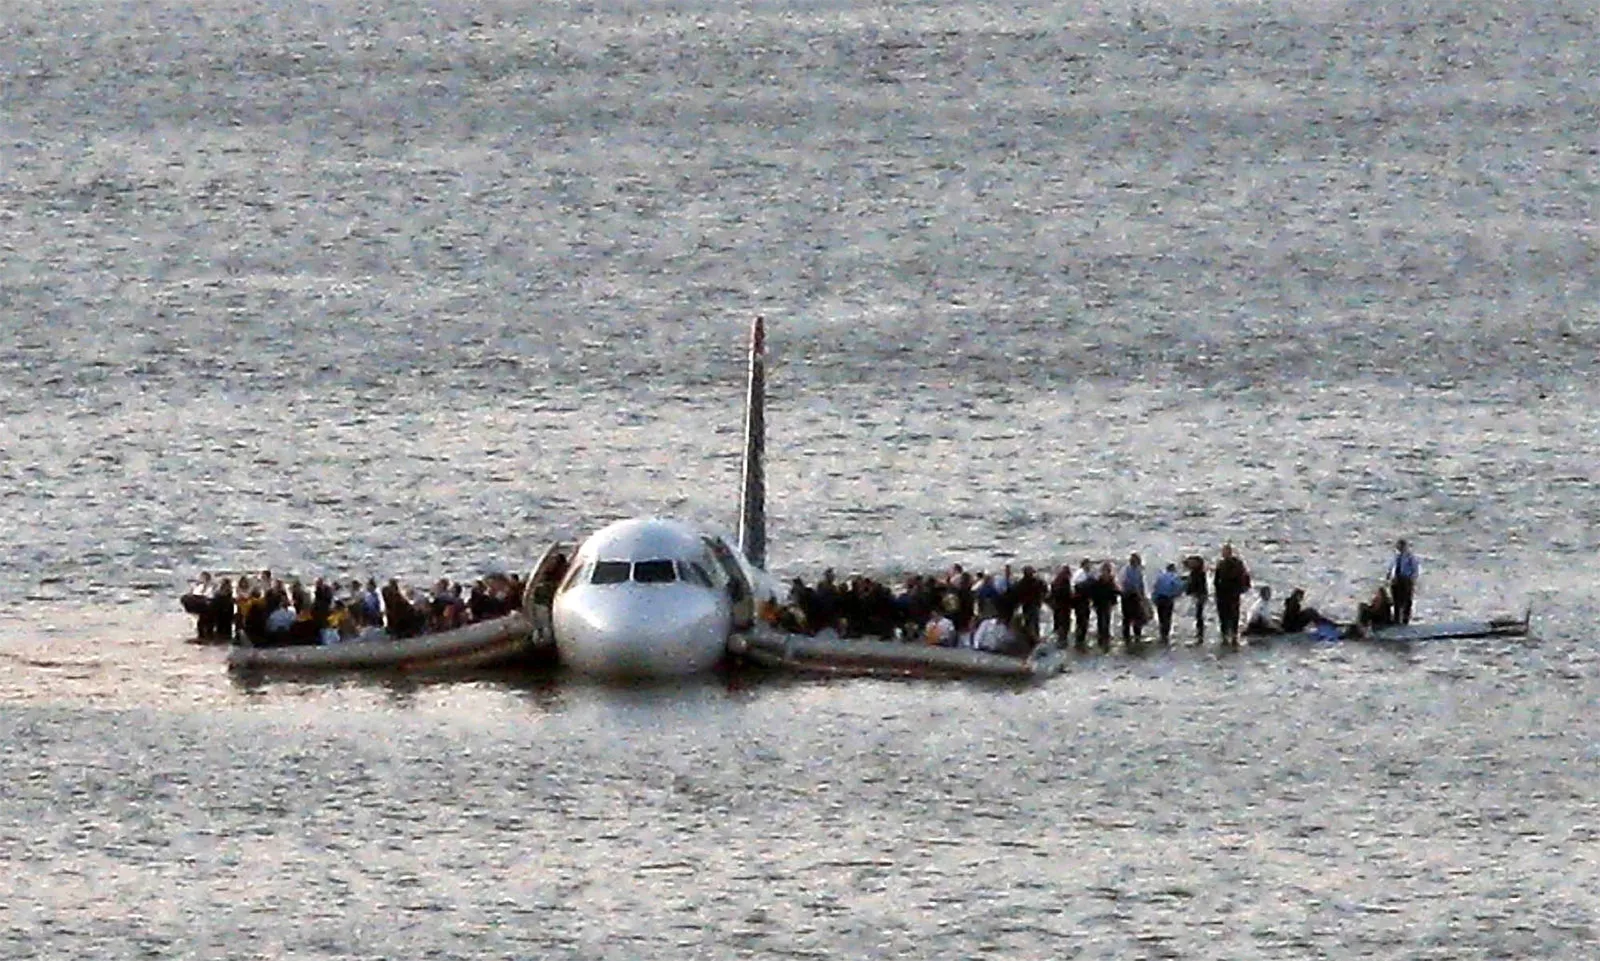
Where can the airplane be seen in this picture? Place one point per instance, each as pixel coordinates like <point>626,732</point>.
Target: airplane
<point>658,597</point>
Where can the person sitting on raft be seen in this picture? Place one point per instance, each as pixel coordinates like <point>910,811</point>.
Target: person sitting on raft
<point>403,618</point>
<point>996,635</point>
<point>280,620</point>
<point>250,613</point>
<point>941,631</point>
<point>1297,617</point>
<point>222,611</point>
<point>992,634</point>
<point>1259,621</point>
<point>354,608</point>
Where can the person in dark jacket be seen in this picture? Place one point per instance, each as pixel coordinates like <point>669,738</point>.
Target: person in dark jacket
<point>1194,585</point>
<point>1296,616</point>
<point>1231,579</point>
<point>825,601</point>
<point>222,611</point>
<point>803,600</point>
<point>1083,600</point>
<point>402,619</point>
<point>321,604</point>
<point>966,600</point>
<point>480,605</point>
<point>1378,612</point>
<point>1030,591</point>
<point>1104,595</point>
<point>1061,604</point>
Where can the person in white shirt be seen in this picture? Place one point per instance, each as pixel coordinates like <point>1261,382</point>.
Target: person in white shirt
<point>281,621</point>
<point>1259,620</point>
<point>992,635</point>
<point>198,603</point>
<point>940,632</point>
<point>372,604</point>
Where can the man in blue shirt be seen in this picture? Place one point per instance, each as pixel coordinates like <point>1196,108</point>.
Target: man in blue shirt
<point>1403,581</point>
<point>1168,588</point>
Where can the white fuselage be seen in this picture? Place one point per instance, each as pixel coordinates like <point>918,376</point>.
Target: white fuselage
<point>653,597</point>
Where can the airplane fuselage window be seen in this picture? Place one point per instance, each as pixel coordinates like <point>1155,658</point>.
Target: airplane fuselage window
<point>610,572</point>
<point>654,572</point>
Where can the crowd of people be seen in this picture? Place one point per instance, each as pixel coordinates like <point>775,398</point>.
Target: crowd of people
<point>1003,612</point>
<point>267,611</point>
<point>1000,612</point>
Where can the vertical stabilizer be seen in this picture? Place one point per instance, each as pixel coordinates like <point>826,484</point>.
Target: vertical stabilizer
<point>753,495</point>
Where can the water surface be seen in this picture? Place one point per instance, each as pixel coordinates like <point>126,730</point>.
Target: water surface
<point>413,288</point>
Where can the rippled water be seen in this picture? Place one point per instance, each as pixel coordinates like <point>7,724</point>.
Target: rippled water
<point>413,288</point>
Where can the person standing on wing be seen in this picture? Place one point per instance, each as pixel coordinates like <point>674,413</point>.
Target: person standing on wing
<point>1168,588</point>
<point>1194,585</point>
<point>1103,592</point>
<point>1083,602</point>
<point>1403,581</point>
<point>1061,605</point>
<point>1029,591</point>
<point>1131,588</point>
<point>1231,580</point>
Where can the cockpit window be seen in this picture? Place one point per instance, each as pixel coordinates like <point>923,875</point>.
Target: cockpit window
<point>610,572</point>
<point>654,572</point>
<point>692,573</point>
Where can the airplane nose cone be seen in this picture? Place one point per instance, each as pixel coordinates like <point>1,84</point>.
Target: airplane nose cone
<point>642,630</point>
